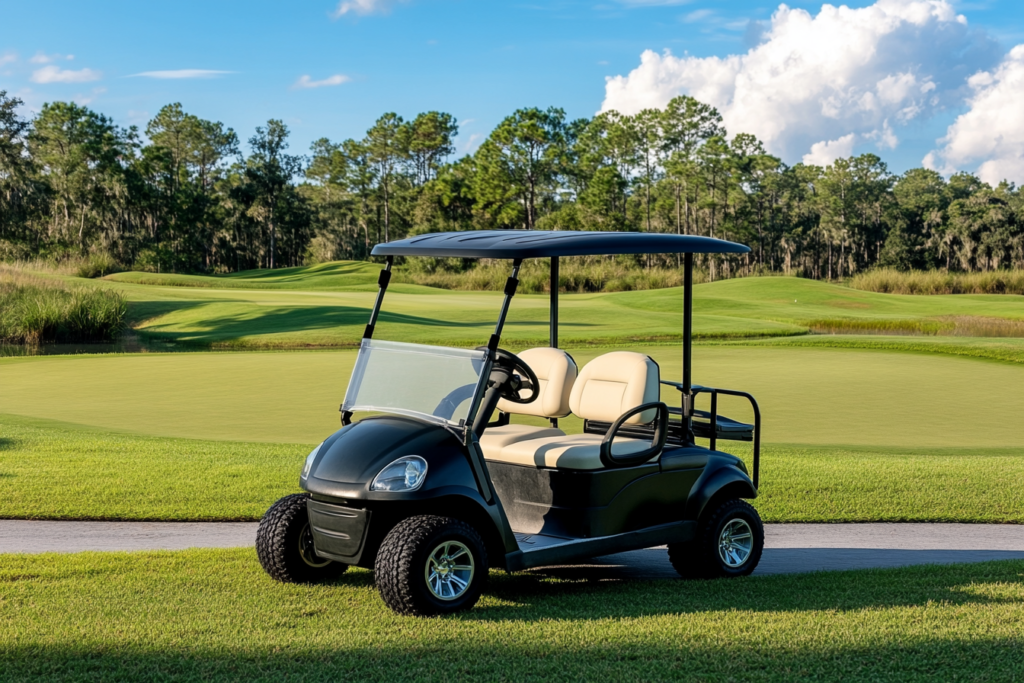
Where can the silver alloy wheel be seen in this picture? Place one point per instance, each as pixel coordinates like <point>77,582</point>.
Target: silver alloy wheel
<point>307,551</point>
<point>449,571</point>
<point>735,543</point>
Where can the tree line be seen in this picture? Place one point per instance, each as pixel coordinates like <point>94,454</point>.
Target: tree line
<point>184,196</point>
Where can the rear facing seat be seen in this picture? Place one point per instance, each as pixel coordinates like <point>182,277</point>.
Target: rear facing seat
<point>607,387</point>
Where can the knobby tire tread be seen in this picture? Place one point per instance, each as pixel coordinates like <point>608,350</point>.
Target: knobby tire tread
<point>697,559</point>
<point>273,547</point>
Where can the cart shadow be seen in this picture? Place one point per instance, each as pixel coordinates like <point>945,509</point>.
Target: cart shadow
<point>600,592</point>
<point>7,444</point>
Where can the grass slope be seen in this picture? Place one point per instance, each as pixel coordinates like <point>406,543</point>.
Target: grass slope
<point>807,395</point>
<point>56,471</point>
<point>213,615</point>
<point>270,309</point>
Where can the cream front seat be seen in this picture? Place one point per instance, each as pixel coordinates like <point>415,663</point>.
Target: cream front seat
<point>556,372</point>
<point>607,387</point>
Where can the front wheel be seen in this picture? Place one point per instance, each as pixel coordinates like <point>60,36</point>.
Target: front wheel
<point>729,543</point>
<point>429,565</point>
<point>284,544</point>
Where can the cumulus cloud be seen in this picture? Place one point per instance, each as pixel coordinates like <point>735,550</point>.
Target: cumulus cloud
<point>825,152</point>
<point>810,81</point>
<point>992,130</point>
<point>363,7</point>
<point>306,82</point>
<point>182,73</point>
<point>55,74</point>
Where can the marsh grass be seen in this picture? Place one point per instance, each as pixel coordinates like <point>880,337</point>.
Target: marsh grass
<point>39,310</point>
<point>944,326</point>
<point>891,281</point>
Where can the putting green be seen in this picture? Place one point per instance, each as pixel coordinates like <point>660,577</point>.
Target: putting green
<point>808,396</point>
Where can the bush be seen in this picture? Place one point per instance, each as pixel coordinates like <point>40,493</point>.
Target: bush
<point>35,310</point>
<point>892,281</point>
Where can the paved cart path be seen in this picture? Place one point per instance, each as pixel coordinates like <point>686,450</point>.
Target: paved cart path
<point>788,547</point>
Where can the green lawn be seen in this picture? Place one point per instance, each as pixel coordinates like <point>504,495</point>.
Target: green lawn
<point>808,395</point>
<point>57,471</point>
<point>328,305</point>
<point>214,615</point>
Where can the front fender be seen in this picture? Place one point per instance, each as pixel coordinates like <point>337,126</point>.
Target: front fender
<point>718,478</point>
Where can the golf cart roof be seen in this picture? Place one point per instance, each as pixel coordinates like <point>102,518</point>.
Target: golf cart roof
<point>524,244</point>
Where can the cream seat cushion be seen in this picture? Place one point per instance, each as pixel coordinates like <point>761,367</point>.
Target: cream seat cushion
<point>613,383</point>
<point>575,452</point>
<point>556,373</point>
<point>496,438</point>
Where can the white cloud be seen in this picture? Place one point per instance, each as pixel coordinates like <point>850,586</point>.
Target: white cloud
<point>653,3</point>
<point>992,130</point>
<point>697,14</point>
<point>54,74</point>
<point>825,152</point>
<point>305,82</point>
<point>364,7</point>
<point>814,79</point>
<point>42,58</point>
<point>182,73</point>
<point>8,58</point>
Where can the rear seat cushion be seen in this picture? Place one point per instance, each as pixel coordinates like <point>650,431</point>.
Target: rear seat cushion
<point>497,438</point>
<point>575,452</point>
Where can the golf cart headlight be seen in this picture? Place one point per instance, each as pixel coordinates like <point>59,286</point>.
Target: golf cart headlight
<point>405,474</point>
<point>309,460</point>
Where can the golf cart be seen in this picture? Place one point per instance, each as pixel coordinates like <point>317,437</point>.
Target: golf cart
<point>441,479</point>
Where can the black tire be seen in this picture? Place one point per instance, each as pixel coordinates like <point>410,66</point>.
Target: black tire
<point>713,553</point>
<point>284,545</point>
<point>403,566</point>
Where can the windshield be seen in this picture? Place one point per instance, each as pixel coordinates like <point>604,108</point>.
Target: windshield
<point>434,383</point>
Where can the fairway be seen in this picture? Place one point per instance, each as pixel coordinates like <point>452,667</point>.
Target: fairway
<point>807,395</point>
<point>263,310</point>
<point>213,615</point>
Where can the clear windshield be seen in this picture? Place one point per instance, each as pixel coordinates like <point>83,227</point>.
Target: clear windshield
<point>435,383</point>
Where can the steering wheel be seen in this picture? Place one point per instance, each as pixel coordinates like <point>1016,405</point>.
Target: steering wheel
<point>516,383</point>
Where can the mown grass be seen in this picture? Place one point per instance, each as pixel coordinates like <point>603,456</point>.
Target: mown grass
<point>1003,350</point>
<point>214,615</point>
<point>37,310</point>
<point>808,396</point>
<point>54,471</point>
<point>892,281</point>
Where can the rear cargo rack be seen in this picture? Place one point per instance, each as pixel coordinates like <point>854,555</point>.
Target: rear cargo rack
<point>704,424</point>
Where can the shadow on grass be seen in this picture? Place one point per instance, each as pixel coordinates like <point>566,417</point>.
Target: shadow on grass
<point>304,319</point>
<point>7,444</point>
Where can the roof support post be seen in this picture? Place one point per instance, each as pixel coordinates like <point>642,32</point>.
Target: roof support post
<point>510,290</point>
<point>382,284</point>
<point>553,332</point>
<point>686,389</point>
<point>553,336</point>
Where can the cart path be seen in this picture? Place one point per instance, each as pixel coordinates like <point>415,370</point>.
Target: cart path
<point>789,548</point>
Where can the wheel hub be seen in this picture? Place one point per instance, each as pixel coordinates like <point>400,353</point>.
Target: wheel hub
<point>735,543</point>
<point>449,571</point>
<point>307,551</point>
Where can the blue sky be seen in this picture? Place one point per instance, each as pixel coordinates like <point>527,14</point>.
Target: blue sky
<point>477,60</point>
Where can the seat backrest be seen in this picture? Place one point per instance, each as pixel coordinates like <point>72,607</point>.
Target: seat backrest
<point>556,371</point>
<point>611,384</point>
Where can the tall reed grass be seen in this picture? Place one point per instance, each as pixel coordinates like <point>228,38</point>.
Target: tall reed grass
<point>890,281</point>
<point>534,278</point>
<point>36,310</point>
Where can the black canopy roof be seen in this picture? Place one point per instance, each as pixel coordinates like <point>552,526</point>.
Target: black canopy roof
<point>523,244</point>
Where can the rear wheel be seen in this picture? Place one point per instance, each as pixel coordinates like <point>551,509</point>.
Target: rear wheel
<point>430,565</point>
<point>284,544</point>
<point>729,542</point>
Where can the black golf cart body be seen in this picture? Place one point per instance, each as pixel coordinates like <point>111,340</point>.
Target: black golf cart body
<point>527,516</point>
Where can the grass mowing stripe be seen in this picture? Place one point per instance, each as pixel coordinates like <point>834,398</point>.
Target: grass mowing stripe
<point>55,472</point>
<point>214,615</point>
